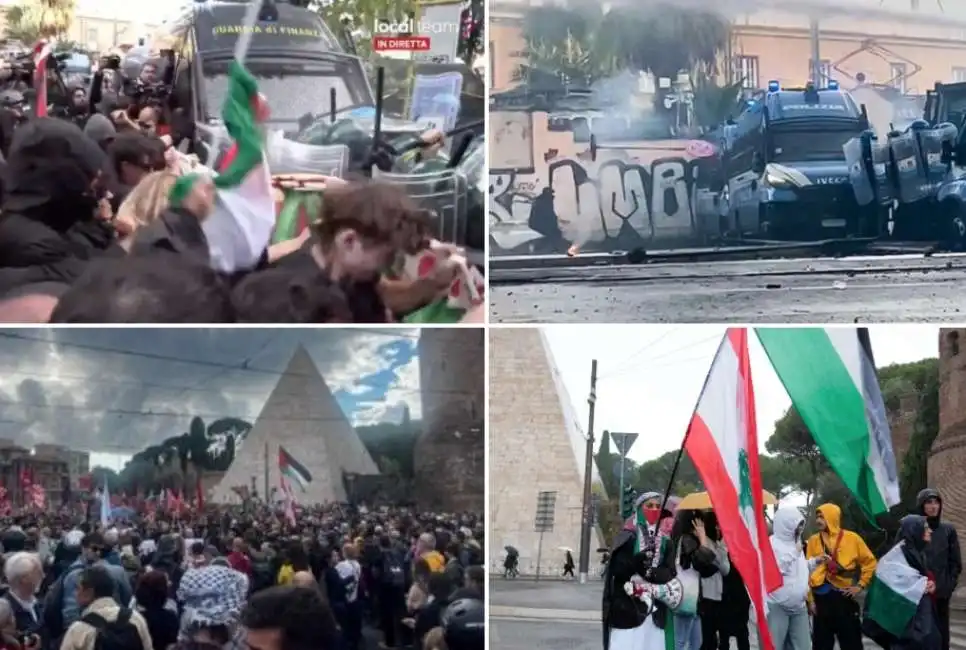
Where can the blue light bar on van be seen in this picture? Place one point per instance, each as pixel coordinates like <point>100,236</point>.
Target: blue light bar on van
<point>833,84</point>
<point>774,86</point>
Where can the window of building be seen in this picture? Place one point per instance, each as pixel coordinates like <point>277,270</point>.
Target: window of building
<point>959,75</point>
<point>91,35</point>
<point>746,71</point>
<point>897,76</point>
<point>824,71</point>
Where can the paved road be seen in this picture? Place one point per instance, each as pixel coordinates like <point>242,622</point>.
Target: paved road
<point>526,615</point>
<point>889,289</point>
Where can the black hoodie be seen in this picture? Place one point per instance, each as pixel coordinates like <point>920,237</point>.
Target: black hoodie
<point>48,233</point>
<point>942,556</point>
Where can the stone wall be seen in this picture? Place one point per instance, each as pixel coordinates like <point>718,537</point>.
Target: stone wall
<point>947,459</point>
<point>449,461</point>
<point>530,452</point>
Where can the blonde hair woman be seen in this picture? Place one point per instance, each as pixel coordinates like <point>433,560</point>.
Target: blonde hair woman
<point>144,204</point>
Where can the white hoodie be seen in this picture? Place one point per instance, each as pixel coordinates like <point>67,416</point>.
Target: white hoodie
<point>791,560</point>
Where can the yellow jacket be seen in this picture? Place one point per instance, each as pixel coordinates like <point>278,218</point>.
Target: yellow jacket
<point>435,560</point>
<point>854,558</point>
<point>285,574</point>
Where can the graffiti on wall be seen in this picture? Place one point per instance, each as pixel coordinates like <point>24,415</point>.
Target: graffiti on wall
<point>638,194</point>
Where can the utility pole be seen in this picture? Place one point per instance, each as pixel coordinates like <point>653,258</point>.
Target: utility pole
<point>816,52</point>
<point>588,479</point>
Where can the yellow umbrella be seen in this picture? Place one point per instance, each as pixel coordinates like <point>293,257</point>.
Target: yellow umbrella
<point>702,501</point>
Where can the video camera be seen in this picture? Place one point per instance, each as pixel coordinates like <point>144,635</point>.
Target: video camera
<point>145,93</point>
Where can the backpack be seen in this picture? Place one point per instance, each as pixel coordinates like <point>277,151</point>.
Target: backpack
<point>119,634</point>
<point>394,575</point>
<point>53,611</point>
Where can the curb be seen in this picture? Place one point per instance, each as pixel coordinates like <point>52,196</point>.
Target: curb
<point>527,613</point>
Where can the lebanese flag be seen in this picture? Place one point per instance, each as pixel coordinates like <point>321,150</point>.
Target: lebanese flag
<point>722,441</point>
<point>42,50</point>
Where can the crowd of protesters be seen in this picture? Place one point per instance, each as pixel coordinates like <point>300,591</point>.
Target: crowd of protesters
<point>834,591</point>
<point>229,577</point>
<point>90,231</point>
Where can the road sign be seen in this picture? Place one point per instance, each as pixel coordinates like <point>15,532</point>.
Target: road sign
<point>624,442</point>
<point>543,521</point>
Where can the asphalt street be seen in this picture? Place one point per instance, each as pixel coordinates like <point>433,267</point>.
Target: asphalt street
<point>887,289</point>
<point>528,615</point>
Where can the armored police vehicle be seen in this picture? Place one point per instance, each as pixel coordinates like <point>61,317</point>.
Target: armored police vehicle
<point>785,170</point>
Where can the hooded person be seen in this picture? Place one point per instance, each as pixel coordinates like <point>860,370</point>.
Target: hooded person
<point>921,632</point>
<point>836,583</point>
<point>645,584</point>
<point>943,557</point>
<point>787,605</point>
<point>50,227</point>
<point>101,130</point>
<point>633,553</point>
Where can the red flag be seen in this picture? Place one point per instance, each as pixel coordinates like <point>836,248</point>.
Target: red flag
<point>42,51</point>
<point>722,441</point>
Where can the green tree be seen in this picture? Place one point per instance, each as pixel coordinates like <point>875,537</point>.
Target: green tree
<point>792,444</point>
<point>100,474</point>
<point>654,475</point>
<point>581,43</point>
<point>34,19</point>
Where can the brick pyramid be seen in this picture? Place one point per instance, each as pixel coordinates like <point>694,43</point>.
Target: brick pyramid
<point>536,444</point>
<point>302,415</point>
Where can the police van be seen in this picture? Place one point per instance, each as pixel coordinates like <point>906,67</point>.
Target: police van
<point>785,170</point>
<point>296,59</point>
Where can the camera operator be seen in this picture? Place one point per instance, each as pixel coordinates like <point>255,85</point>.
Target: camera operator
<point>109,66</point>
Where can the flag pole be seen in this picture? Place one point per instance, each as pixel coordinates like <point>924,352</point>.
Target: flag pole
<point>677,460</point>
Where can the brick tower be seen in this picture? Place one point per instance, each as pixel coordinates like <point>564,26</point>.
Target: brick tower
<point>947,459</point>
<point>449,459</point>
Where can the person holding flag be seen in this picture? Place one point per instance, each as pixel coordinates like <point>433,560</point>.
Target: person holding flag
<point>900,609</point>
<point>847,572</point>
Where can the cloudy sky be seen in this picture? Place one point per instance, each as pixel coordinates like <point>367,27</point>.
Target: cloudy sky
<point>649,376</point>
<point>115,391</point>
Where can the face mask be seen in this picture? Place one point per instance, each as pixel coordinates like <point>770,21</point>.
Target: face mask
<point>651,515</point>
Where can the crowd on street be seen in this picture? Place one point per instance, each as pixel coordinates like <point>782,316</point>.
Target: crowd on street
<point>243,576</point>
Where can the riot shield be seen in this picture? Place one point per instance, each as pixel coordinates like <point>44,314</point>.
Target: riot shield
<point>290,157</point>
<point>930,142</point>
<point>885,186</point>
<point>910,171</point>
<point>442,191</point>
<point>862,185</point>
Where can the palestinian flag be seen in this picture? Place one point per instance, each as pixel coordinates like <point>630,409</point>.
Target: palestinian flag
<point>722,442</point>
<point>830,376</point>
<point>893,596</point>
<point>293,470</point>
<point>240,227</point>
